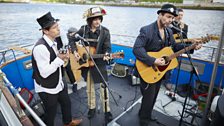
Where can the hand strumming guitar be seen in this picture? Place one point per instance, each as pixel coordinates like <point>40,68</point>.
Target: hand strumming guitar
<point>159,62</point>
<point>76,56</point>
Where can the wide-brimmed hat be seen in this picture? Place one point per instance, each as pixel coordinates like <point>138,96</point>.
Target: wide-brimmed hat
<point>46,20</point>
<point>94,12</point>
<point>168,8</point>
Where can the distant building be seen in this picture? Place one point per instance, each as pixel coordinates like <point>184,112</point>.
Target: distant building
<point>202,1</point>
<point>188,1</point>
<point>218,1</point>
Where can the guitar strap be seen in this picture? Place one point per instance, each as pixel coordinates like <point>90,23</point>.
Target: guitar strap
<point>94,40</point>
<point>99,40</point>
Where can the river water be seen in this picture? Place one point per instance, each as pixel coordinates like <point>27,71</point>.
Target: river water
<point>19,27</point>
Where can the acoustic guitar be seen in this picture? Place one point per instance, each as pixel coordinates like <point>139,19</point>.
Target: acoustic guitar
<point>152,74</point>
<point>85,60</point>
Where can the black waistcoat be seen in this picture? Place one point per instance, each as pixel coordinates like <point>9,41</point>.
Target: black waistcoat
<point>52,80</point>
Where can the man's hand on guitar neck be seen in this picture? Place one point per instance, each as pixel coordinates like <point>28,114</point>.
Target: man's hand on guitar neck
<point>63,56</point>
<point>159,62</point>
<point>198,46</point>
<point>106,57</point>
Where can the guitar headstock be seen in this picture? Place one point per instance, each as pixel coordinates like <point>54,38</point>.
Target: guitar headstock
<point>118,55</point>
<point>207,38</point>
<point>213,37</point>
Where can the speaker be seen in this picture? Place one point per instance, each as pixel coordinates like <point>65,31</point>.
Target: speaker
<point>219,113</point>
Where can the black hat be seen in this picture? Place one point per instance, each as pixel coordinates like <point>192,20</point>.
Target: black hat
<point>46,20</point>
<point>168,8</point>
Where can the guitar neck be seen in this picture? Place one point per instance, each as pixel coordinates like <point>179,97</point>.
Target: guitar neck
<point>184,40</point>
<point>96,56</point>
<point>182,51</point>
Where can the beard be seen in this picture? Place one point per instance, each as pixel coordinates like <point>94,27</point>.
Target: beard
<point>162,24</point>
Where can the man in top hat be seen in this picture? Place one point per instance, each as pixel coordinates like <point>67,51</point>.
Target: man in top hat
<point>47,73</point>
<point>99,38</point>
<point>153,38</point>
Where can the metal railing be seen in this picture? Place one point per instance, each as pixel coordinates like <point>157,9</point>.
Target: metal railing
<point>16,94</point>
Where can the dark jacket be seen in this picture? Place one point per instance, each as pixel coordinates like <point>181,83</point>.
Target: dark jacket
<point>103,45</point>
<point>184,33</point>
<point>185,29</point>
<point>149,40</point>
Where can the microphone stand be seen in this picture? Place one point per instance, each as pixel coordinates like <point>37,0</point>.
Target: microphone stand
<point>173,97</point>
<point>193,72</point>
<point>105,84</point>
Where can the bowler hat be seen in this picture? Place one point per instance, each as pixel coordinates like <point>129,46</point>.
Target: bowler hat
<point>46,20</point>
<point>168,8</point>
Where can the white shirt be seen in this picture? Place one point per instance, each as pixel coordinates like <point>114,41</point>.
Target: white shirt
<point>42,57</point>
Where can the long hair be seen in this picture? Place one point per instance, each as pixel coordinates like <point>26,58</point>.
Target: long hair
<point>90,20</point>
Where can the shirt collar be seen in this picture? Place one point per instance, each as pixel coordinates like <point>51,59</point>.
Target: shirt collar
<point>97,29</point>
<point>49,42</point>
<point>157,30</point>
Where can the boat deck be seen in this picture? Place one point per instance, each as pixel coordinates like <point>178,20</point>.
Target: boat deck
<point>128,98</point>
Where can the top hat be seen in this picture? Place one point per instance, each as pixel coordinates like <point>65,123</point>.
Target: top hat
<point>46,20</point>
<point>168,8</point>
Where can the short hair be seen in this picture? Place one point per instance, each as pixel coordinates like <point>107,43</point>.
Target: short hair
<point>180,10</point>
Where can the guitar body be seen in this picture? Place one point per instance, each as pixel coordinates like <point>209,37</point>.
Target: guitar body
<point>84,61</point>
<point>76,72</point>
<point>152,74</point>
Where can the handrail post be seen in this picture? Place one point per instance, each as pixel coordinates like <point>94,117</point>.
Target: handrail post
<point>214,72</point>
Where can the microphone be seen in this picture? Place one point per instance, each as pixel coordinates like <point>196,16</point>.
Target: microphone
<point>177,29</point>
<point>77,36</point>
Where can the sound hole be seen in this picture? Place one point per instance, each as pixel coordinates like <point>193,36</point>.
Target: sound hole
<point>83,59</point>
<point>167,62</point>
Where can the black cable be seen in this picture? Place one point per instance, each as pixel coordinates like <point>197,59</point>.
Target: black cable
<point>132,100</point>
<point>164,109</point>
<point>79,99</point>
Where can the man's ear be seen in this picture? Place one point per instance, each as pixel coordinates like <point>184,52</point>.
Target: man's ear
<point>45,31</point>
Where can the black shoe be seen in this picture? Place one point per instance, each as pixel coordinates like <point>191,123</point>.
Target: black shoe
<point>153,118</point>
<point>91,113</point>
<point>74,88</point>
<point>108,116</point>
<point>144,122</point>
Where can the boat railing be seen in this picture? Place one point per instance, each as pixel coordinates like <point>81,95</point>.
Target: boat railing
<point>16,94</point>
<point>4,56</point>
<point>213,51</point>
